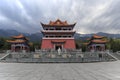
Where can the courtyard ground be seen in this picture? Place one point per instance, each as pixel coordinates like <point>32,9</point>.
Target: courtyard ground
<point>60,71</point>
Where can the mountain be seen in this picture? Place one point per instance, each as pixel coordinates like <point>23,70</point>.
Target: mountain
<point>9,33</point>
<point>38,36</point>
<point>35,37</point>
<point>109,35</point>
<point>85,36</point>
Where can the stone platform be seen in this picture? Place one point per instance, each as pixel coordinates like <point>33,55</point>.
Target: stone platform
<point>54,57</point>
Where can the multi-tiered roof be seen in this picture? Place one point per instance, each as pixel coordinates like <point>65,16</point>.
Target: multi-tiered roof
<point>97,39</point>
<point>58,27</point>
<point>18,39</point>
<point>57,23</point>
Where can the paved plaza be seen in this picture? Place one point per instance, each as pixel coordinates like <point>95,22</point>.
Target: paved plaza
<point>60,71</point>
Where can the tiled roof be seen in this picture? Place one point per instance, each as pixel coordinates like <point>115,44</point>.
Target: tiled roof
<point>16,41</point>
<point>96,36</point>
<point>99,41</point>
<point>58,22</point>
<point>19,36</point>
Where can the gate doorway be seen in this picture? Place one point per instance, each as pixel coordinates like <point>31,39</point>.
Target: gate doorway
<point>58,46</point>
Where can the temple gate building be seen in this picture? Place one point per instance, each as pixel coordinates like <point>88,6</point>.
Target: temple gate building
<point>97,43</point>
<point>58,34</point>
<point>19,43</point>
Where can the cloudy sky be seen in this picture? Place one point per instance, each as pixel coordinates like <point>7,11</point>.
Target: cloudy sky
<point>91,16</point>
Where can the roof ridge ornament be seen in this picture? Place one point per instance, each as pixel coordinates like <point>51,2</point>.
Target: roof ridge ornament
<point>58,22</point>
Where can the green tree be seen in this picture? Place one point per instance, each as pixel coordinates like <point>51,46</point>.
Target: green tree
<point>114,44</point>
<point>3,44</point>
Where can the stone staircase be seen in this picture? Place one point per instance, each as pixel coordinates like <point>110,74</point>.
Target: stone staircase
<point>116,56</point>
<point>1,55</point>
<point>4,55</point>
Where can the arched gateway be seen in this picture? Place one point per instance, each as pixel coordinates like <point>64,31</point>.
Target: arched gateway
<point>58,34</point>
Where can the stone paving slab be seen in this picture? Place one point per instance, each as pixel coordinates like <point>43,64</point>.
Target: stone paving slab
<point>60,71</point>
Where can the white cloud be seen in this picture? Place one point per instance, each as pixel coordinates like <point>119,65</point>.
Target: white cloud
<point>90,15</point>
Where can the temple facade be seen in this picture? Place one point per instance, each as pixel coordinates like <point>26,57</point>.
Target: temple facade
<point>58,34</point>
<point>19,43</point>
<point>96,43</point>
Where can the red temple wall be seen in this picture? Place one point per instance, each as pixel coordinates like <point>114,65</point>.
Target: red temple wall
<point>47,44</point>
